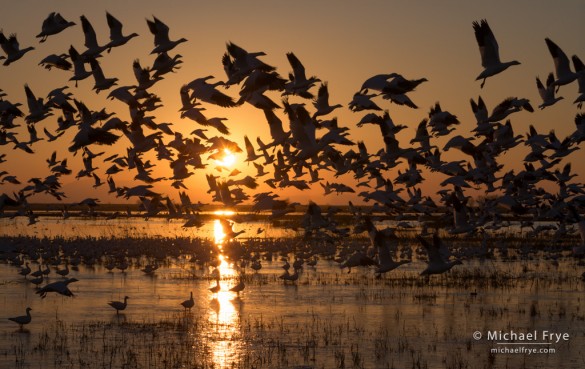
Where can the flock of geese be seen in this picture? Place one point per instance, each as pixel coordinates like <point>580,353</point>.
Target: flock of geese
<point>305,141</point>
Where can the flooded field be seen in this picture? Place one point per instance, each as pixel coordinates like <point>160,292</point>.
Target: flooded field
<point>327,318</point>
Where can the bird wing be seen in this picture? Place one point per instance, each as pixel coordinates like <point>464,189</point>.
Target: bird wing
<point>115,27</point>
<point>160,31</point>
<point>561,60</point>
<point>89,32</point>
<point>297,66</point>
<point>541,89</point>
<point>432,249</point>
<point>488,46</point>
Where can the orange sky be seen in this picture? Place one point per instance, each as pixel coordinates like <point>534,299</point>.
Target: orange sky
<point>341,42</point>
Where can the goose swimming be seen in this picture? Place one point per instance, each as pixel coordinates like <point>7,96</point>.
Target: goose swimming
<point>238,287</point>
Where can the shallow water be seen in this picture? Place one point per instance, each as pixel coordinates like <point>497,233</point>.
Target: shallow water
<point>125,227</point>
<point>327,319</point>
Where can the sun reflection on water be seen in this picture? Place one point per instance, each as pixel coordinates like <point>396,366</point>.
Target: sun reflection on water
<point>226,308</point>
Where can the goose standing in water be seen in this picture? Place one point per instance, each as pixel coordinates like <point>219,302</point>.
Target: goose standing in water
<point>188,304</point>
<point>37,280</point>
<point>215,289</point>
<point>118,305</point>
<point>23,319</point>
<point>287,277</point>
<point>238,287</point>
<point>489,50</point>
<point>24,271</point>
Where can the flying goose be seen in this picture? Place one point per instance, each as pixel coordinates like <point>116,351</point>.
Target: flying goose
<point>489,50</point>
<point>12,49</point>
<point>52,25</point>
<point>563,70</point>
<point>160,31</point>
<point>547,93</point>
<point>116,36</point>
<point>438,255</point>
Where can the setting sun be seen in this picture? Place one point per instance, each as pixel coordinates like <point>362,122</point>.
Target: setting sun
<point>228,160</point>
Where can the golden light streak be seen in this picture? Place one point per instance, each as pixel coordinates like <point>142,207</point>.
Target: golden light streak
<point>218,234</point>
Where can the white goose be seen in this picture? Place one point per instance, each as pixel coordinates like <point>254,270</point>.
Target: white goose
<point>38,110</point>
<point>25,270</point>
<point>438,255</point>
<point>162,42</point>
<point>580,70</point>
<point>562,64</point>
<point>79,71</point>
<point>299,83</point>
<point>118,305</point>
<point>321,103</point>
<point>381,240</point>
<point>116,36</point>
<point>547,93</point>
<point>56,61</point>
<point>93,48</point>
<point>101,82</point>
<point>164,64</point>
<point>53,24</point>
<point>238,287</point>
<point>60,287</point>
<point>12,48</point>
<point>209,93</point>
<point>489,50</point>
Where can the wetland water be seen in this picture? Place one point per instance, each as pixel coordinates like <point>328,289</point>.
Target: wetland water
<point>328,318</point>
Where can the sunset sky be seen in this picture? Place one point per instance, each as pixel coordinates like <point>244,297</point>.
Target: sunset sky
<point>341,42</point>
